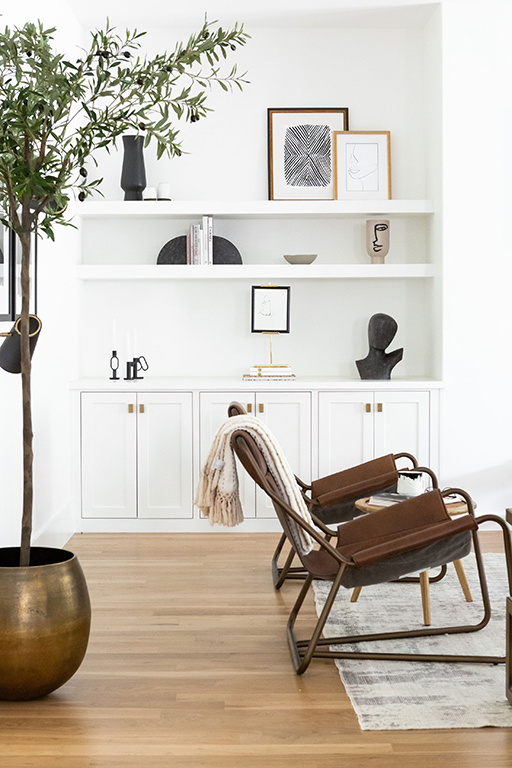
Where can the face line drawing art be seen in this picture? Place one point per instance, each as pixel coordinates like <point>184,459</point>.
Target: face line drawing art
<point>266,307</point>
<point>377,245</point>
<point>359,173</point>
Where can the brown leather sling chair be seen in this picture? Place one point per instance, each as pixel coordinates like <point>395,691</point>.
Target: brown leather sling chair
<point>412,536</point>
<point>331,500</point>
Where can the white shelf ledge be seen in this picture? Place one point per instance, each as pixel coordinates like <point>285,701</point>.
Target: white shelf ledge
<point>114,209</point>
<point>252,271</point>
<point>226,383</point>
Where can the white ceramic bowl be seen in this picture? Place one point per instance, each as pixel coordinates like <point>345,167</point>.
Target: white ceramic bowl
<point>300,258</point>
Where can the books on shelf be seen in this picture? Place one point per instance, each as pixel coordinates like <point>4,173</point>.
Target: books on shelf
<point>200,242</point>
<point>270,370</point>
<point>387,499</point>
<point>264,377</point>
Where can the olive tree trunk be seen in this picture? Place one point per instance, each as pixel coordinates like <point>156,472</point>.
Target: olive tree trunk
<point>26,366</point>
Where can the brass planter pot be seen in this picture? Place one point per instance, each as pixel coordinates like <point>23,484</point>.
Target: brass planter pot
<point>45,617</point>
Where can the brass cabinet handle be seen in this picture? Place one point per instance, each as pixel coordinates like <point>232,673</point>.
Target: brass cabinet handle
<point>379,407</point>
<point>368,407</point>
<point>130,407</point>
<point>249,407</point>
<point>261,408</point>
<point>141,408</point>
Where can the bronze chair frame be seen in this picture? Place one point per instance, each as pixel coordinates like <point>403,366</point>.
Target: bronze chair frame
<point>287,571</point>
<point>303,651</point>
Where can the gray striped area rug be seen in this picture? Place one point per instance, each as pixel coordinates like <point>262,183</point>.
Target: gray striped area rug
<point>414,695</point>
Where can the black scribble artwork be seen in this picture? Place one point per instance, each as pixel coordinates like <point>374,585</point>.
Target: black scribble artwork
<point>307,156</point>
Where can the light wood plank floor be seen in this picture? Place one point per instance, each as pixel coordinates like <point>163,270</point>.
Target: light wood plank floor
<point>188,666</point>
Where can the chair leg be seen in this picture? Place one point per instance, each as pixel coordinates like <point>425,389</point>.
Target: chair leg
<point>425,598</point>
<point>300,660</point>
<point>275,557</point>
<point>280,574</point>
<point>283,572</point>
<point>355,594</point>
<point>315,646</point>
<point>459,569</point>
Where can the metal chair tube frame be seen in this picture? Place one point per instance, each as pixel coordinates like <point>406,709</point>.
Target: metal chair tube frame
<point>304,650</point>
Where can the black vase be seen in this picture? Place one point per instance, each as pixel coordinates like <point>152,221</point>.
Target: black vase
<point>133,174</point>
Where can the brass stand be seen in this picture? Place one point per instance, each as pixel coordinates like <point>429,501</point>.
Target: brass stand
<point>271,364</point>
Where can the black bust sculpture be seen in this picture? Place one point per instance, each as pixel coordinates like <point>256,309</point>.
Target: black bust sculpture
<point>378,364</point>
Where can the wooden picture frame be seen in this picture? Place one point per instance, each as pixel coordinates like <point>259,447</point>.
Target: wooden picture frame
<point>362,165</point>
<point>300,151</point>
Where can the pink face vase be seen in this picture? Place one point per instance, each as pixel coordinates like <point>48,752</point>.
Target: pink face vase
<point>377,239</point>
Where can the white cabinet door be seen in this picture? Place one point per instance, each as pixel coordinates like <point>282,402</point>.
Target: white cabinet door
<point>354,427</point>
<point>288,417</point>
<point>165,454</point>
<point>345,430</point>
<point>109,455</point>
<point>402,423</point>
<point>213,412</point>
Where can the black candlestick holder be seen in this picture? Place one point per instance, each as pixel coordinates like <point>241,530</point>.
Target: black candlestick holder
<point>114,365</point>
<point>135,365</point>
<point>139,364</point>
<point>129,371</point>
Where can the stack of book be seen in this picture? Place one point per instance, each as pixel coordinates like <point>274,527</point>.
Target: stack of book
<point>270,372</point>
<point>200,242</point>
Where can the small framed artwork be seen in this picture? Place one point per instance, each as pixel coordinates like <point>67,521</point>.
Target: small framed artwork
<point>300,152</point>
<point>362,165</point>
<point>7,300</point>
<point>270,309</point>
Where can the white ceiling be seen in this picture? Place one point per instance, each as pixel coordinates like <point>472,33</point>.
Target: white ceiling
<point>354,13</point>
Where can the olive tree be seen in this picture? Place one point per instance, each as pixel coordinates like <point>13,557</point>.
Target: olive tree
<point>56,112</point>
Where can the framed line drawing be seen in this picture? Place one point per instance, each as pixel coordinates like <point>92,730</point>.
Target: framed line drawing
<point>270,309</point>
<point>300,151</point>
<point>7,279</point>
<point>362,165</point>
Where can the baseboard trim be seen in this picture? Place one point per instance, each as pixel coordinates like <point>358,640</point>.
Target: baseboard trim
<point>162,525</point>
<point>57,531</point>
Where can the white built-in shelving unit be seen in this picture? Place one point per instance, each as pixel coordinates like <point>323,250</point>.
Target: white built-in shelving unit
<point>251,209</point>
<point>238,211</point>
<point>253,271</point>
<point>192,322</point>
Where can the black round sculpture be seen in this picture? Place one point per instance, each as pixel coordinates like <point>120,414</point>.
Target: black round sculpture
<point>378,364</point>
<point>175,251</point>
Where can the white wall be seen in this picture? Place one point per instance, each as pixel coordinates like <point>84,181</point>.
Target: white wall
<point>477,413</point>
<point>377,73</point>
<point>54,362</point>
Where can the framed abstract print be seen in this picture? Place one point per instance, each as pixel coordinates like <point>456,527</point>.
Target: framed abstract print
<point>300,152</point>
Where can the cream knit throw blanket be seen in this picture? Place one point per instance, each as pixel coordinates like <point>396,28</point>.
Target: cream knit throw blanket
<point>217,492</point>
